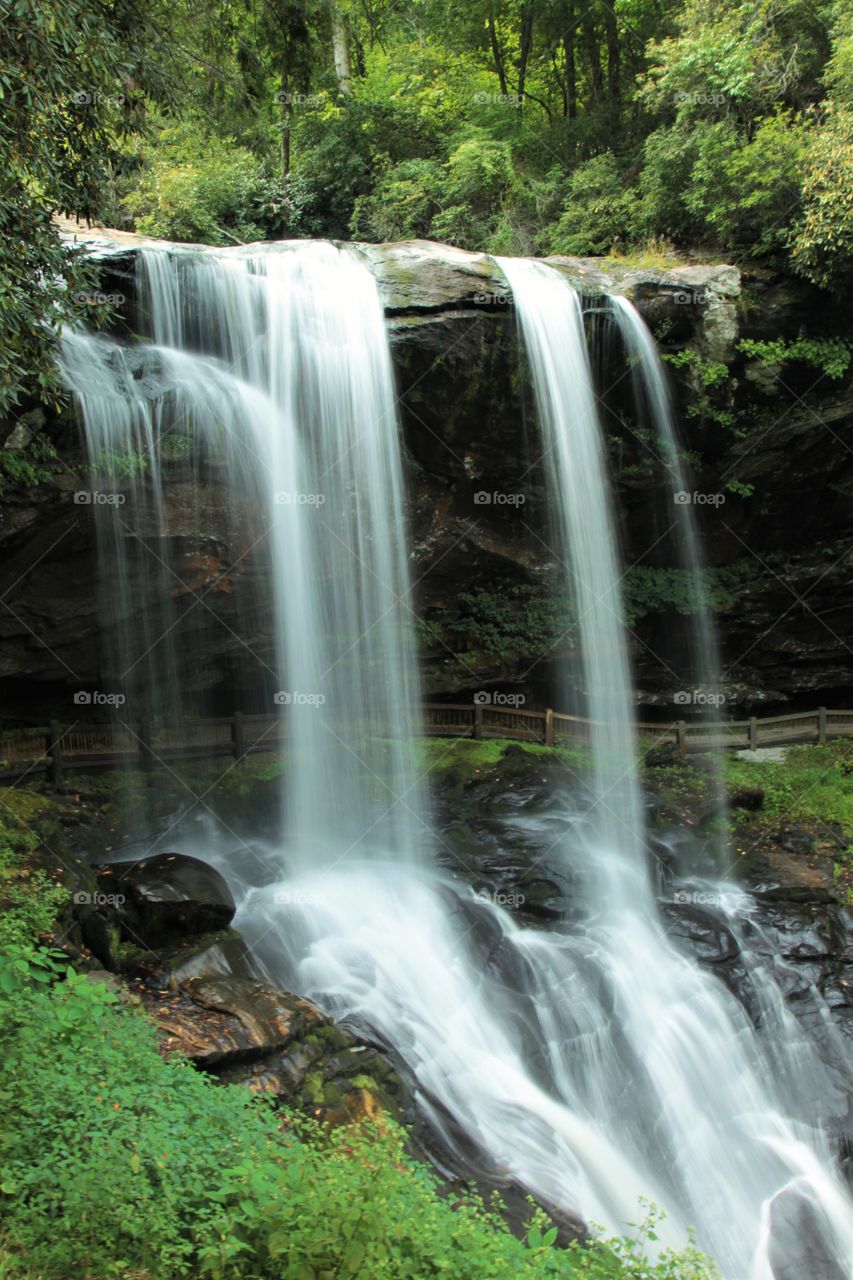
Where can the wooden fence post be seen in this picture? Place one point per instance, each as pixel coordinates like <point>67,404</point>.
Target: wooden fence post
<point>753,733</point>
<point>681,735</point>
<point>821,724</point>
<point>238,736</point>
<point>54,750</point>
<point>549,728</point>
<point>478,722</point>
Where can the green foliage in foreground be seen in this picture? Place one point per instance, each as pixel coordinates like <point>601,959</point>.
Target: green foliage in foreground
<point>157,1172</point>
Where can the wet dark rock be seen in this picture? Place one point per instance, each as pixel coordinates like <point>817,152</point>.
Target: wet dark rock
<point>749,798</point>
<point>163,899</point>
<point>702,932</point>
<point>240,1020</point>
<point>794,928</point>
<point>797,840</point>
<point>214,955</point>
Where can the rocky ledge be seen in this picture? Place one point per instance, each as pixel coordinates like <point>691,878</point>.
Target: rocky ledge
<point>161,929</point>
<point>767,438</point>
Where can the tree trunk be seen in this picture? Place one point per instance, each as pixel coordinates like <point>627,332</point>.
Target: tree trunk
<point>526,44</point>
<point>497,56</point>
<point>571,97</point>
<point>593,54</point>
<point>284,98</point>
<point>614,86</point>
<point>341,48</point>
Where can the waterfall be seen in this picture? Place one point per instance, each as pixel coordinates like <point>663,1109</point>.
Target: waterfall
<point>710,1076</point>
<point>552,324</point>
<point>291,399</point>
<point>702,671</point>
<point>592,1063</point>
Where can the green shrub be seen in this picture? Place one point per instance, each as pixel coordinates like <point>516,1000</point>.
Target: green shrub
<point>206,191</point>
<point>478,184</point>
<point>830,355</point>
<point>599,211</point>
<point>156,1172</point>
<point>823,247</point>
<point>668,159</point>
<point>401,206</point>
<point>29,899</point>
<point>744,192</point>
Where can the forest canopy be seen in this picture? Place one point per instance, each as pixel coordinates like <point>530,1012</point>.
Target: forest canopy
<point>714,129</point>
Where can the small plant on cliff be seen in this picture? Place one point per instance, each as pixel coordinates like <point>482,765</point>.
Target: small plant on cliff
<point>830,355</point>
<point>510,620</point>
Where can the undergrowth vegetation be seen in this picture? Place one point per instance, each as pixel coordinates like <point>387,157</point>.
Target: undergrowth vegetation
<point>30,897</point>
<point>811,784</point>
<point>157,1173</point>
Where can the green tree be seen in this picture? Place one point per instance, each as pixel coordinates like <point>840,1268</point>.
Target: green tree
<point>72,82</point>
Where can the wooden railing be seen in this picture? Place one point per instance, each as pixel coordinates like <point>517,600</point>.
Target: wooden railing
<point>555,727</point>
<point>29,751</point>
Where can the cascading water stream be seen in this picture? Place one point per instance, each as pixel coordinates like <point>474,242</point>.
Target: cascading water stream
<point>552,326</point>
<point>654,403</point>
<point>706,1070</point>
<point>594,1065</point>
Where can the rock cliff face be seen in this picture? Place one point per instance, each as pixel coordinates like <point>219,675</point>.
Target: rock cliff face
<point>766,431</point>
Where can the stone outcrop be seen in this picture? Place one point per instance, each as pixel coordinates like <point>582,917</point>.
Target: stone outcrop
<point>770,439</point>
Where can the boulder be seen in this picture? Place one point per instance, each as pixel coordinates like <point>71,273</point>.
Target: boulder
<point>165,898</point>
